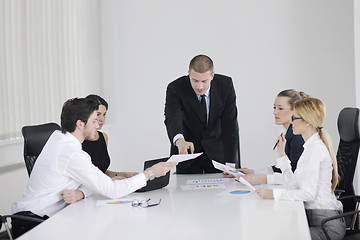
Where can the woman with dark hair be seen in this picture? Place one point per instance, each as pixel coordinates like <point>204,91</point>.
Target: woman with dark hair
<point>97,147</point>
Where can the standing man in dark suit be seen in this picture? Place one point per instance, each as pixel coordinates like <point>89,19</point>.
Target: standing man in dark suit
<point>201,116</point>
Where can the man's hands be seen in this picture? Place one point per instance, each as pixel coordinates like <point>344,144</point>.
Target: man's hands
<point>72,196</point>
<point>160,169</point>
<point>183,146</point>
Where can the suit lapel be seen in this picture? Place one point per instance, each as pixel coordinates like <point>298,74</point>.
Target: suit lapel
<point>214,103</point>
<point>193,100</point>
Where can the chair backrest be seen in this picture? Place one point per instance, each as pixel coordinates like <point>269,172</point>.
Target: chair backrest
<point>27,222</point>
<point>35,138</point>
<point>347,154</point>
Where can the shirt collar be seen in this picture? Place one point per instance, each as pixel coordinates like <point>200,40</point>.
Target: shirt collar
<point>206,93</point>
<point>312,139</point>
<point>72,138</point>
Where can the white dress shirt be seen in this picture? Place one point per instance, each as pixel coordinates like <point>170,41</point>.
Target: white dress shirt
<point>63,165</point>
<point>311,181</point>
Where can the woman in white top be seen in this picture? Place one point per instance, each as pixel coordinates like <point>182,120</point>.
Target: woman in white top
<point>315,177</point>
<point>283,110</point>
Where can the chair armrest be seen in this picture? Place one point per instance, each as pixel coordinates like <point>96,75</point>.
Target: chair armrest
<point>355,197</point>
<point>32,219</point>
<point>325,220</point>
<point>26,218</point>
<point>338,192</point>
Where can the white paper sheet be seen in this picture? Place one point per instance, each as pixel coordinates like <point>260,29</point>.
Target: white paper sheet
<point>183,157</point>
<point>206,181</point>
<point>202,186</point>
<point>227,169</point>
<point>246,183</point>
<point>232,171</point>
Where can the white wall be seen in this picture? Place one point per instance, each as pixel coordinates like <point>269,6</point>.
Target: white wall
<point>12,185</point>
<point>266,46</point>
<point>357,75</point>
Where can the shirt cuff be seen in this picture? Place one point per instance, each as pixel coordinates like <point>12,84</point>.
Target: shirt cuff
<point>177,136</point>
<point>277,193</point>
<point>141,178</point>
<point>283,163</point>
<point>275,178</point>
<point>87,192</point>
<point>270,178</point>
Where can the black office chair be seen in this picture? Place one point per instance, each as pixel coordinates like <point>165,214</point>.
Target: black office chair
<point>352,230</point>
<point>35,138</point>
<point>347,154</point>
<point>4,219</point>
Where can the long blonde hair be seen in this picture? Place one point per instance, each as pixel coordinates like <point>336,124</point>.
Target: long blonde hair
<point>313,111</point>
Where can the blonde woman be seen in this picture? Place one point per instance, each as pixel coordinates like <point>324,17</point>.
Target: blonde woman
<point>315,177</point>
<point>283,110</point>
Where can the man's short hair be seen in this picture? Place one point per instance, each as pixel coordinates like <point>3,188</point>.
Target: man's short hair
<point>76,109</point>
<point>201,64</point>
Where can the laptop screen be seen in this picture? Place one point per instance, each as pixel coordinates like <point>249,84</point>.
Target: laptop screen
<point>159,182</point>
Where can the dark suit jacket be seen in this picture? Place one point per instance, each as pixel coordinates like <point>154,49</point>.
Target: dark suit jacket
<point>293,148</point>
<point>220,139</point>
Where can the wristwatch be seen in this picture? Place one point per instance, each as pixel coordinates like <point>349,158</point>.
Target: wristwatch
<point>151,174</point>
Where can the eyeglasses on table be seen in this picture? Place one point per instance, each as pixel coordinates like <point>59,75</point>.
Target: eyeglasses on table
<point>144,203</point>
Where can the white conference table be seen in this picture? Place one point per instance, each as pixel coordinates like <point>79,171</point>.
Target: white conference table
<point>182,214</point>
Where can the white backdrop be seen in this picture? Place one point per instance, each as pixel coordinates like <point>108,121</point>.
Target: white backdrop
<point>266,46</point>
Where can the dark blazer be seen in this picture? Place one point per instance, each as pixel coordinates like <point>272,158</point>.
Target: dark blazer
<point>293,148</point>
<point>220,138</point>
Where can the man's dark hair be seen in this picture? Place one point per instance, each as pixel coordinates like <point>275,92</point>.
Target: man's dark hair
<point>76,109</point>
<point>201,64</point>
<point>99,99</point>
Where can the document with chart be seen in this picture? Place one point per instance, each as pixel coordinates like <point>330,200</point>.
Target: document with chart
<point>232,171</point>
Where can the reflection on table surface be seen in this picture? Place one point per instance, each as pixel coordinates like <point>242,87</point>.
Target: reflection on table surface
<point>204,213</point>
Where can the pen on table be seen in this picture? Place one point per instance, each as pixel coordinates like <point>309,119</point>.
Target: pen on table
<point>277,142</point>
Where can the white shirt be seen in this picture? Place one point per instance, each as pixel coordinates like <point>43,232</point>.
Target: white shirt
<point>63,165</point>
<point>311,181</point>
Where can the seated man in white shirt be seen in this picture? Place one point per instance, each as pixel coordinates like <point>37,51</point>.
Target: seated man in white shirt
<point>63,165</point>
